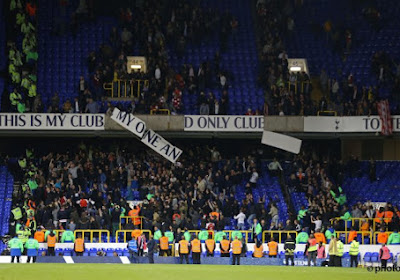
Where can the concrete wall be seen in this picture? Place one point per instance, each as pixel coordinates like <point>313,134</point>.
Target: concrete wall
<point>284,123</point>
<point>379,149</point>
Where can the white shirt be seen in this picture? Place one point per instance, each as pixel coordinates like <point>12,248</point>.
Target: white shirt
<point>254,177</point>
<point>318,224</point>
<point>240,217</point>
<point>157,73</point>
<point>222,80</point>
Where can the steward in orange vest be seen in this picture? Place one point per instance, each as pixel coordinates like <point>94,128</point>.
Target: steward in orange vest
<point>379,214</point>
<point>320,237</point>
<point>51,243</point>
<point>236,251</point>
<point>136,233</point>
<point>39,236</point>
<point>272,248</point>
<point>352,235</point>
<point>382,237</point>
<point>210,247</point>
<point>258,250</point>
<point>79,246</point>
<point>135,213</point>
<point>183,250</point>
<point>164,246</point>
<point>196,250</point>
<point>224,246</point>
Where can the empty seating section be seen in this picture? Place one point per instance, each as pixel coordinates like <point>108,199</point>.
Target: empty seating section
<point>385,188</point>
<point>6,190</point>
<point>63,58</point>
<point>309,39</point>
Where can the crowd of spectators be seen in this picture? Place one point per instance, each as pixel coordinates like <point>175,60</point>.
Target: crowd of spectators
<point>22,57</point>
<point>88,188</point>
<point>321,178</point>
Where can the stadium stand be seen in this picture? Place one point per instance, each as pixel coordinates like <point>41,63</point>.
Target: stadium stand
<point>85,173</point>
<point>352,45</point>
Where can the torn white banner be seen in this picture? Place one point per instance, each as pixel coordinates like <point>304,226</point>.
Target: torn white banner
<point>281,141</point>
<point>161,146</point>
<point>130,122</point>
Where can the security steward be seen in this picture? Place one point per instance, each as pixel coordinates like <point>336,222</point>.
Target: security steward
<point>32,248</point>
<point>79,245</point>
<point>354,251</point>
<point>51,243</point>
<point>133,249</point>
<point>272,248</point>
<point>196,250</point>
<point>183,249</point>
<point>39,235</point>
<point>210,247</point>
<point>289,247</point>
<point>164,246</point>
<point>236,251</point>
<point>16,248</point>
<point>258,249</point>
<point>224,247</point>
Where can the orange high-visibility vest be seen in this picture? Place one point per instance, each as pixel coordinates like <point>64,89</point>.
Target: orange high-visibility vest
<point>258,251</point>
<point>183,247</point>
<point>39,236</point>
<point>382,237</point>
<point>79,245</point>
<point>196,246</point>
<point>215,214</point>
<point>273,248</point>
<point>236,247</point>
<point>320,237</point>
<point>51,241</point>
<point>388,216</point>
<point>365,227</point>
<point>210,245</point>
<point>352,236</point>
<point>164,243</point>
<point>379,215</point>
<point>135,213</point>
<point>224,245</point>
<point>136,233</point>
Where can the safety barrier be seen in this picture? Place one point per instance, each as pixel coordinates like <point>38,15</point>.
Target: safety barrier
<point>58,233</point>
<point>92,233</point>
<point>355,222</point>
<point>364,234</point>
<point>246,234</point>
<point>125,88</point>
<point>160,112</point>
<point>196,232</point>
<point>118,233</point>
<point>275,233</point>
<point>327,113</point>
<point>304,86</point>
<point>376,236</point>
<point>123,221</point>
